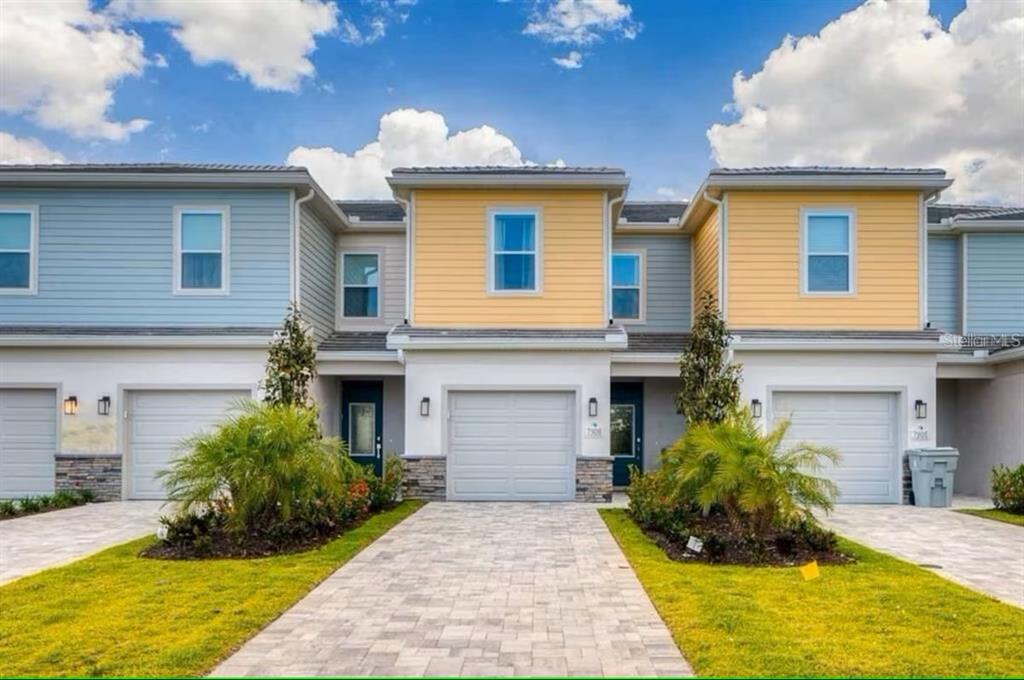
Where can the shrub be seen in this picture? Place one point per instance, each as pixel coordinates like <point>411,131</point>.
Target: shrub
<point>747,474</point>
<point>1008,488</point>
<point>86,495</point>
<point>30,504</point>
<point>651,504</point>
<point>8,508</point>
<point>264,466</point>
<point>65,499</point>
<point>710,387</point>
<point>384,490</point>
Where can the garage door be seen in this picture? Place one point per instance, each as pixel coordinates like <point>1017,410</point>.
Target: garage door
<point>862,425</point>
<point>511,446</point>
<point>28,442</point>
<point>158,421</point>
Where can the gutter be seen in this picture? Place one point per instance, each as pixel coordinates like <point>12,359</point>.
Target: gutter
<point>930,346</point>
<point>609,250</point>
<point>297,216</point>
<point>407,205</point>
<point>230,342</point>
<point>611,341</point>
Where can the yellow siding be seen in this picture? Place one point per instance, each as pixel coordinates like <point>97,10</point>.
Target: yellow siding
<point>450,268</point>
<point>705,260</point>
<point>764,262</point>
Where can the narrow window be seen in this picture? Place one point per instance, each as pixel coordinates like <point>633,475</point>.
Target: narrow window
<point>626,284</point>
<point>514,252</point>
<point>361,284</point>
<point>202,251</point>
<point>17,250</point>
<point>828,266</point>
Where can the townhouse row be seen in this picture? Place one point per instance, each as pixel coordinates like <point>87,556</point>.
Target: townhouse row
<point>511,333</point>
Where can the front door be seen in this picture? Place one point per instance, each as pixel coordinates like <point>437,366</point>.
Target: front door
<point>627,427</point>
<point>362,421</point>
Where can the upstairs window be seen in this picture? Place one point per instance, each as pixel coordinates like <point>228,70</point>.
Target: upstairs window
<point>360,275</point>
<point>201,260</point>
<point>627,280</point>
<point>18,250</point>
<point>515,265</point>
<point>828,252</point>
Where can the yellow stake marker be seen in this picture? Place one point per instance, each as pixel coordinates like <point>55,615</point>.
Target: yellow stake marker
<point>810,570</point>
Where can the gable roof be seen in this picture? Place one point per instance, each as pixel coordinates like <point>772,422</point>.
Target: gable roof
<point>652,211</point>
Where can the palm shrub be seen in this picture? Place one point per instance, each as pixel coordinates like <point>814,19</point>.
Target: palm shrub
<point>264,466</point>
<point>749,475</point>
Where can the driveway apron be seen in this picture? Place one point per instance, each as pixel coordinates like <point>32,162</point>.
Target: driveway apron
<point>474,589</point>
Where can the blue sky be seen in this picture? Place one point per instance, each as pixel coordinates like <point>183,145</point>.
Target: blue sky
<point>644,103</point>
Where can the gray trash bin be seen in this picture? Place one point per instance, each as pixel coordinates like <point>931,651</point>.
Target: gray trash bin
<point>931,474</point>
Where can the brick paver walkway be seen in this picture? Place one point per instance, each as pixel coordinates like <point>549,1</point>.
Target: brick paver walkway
<point>474,589</point>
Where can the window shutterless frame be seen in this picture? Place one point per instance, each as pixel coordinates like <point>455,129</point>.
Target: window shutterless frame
<point>342,286</point>
<point>640,286</point>
<point>851,252</point>
<point>537,252</point>
<point>225,248</point>
<point>33,250</point>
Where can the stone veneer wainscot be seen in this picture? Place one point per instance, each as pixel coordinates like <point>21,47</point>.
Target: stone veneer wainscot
<point>98,473</point>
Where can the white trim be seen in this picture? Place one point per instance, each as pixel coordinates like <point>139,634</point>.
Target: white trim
<point>723,257</point>
<point>641,255</point>
<point>225,253</point>
<point>355,320</point>
<point>611,341</point>
<point>792,345</point>
<point>850,213</point>
<point>33,252</point>
<point>232,341</point>
<point>297,263</point>
<point>579,180</point>
<point>538,249</point>
<point>292,250</point>
<point>356,355</point>
<point>922,260</point>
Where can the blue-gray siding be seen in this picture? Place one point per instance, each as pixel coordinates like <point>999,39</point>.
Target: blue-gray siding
<point>668,279</point>
<point>106,258</point>
<point>317,272</point>
<point>995,283</point>
<point>944,283</point>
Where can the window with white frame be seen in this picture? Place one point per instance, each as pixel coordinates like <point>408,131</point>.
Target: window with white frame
<point>18,250</point>
<point>828,252</point>
<point>515,263</point>
<point>360,276</point>
<point>627,286</point>
<point>201,245</point>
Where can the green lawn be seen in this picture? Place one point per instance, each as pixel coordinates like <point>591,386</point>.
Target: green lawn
<point>998,515</point>
<point>879,617</point>
<point>118,614</point>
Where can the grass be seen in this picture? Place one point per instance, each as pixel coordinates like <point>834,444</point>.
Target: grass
<point>878,617</point>
<point>997,515</point>
<point>116,614</point>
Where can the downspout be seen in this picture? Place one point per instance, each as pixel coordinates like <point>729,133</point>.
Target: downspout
<point>406,204</point>
<point>609,249</point>
<point>722,206</point>
<point>298,248</point>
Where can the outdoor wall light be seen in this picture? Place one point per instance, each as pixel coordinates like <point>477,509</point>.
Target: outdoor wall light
<point>71,406</point>
<point>920,409</point>
<point>593,407</point>
<point>755,408</point>
<point>103,406</point>
<point>425,406</point>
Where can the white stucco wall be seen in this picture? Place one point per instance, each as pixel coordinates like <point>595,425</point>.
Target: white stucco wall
<point>429,373</point>
<point>92,373</point>
<point>912,375</point>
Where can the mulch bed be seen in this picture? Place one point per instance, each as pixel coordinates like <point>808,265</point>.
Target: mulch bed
<point>722,545</point>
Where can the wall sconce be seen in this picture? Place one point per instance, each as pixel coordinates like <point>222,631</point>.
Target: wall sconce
<point>103,406</point>
<point>592,410</point>
<point>920,409</point>
<point>71,406</point>
<point>755,408</point>
<point>425,406</point>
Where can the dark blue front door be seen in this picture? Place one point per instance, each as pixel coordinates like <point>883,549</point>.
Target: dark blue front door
<point>362,421</point>
<point>626,428</point>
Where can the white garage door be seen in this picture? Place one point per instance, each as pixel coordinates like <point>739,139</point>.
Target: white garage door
<point>862,425</point>
<point>158,421</point>
<point>511,446</point>
<point>28,442</point>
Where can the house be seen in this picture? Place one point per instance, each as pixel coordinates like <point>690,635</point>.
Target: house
<point>512,333</point>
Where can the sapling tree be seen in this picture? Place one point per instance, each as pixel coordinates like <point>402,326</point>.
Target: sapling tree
<point>710,382</point>
<point>291,363</point>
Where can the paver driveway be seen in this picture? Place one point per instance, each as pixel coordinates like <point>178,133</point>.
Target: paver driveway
<point>37,542</point>
<point>474,589</point>
<point>979,553</point>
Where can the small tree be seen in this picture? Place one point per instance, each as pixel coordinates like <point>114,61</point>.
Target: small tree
<point>710,383</point>
<point>291,363</point>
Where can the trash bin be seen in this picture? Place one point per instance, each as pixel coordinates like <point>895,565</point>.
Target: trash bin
<point>931,475</point>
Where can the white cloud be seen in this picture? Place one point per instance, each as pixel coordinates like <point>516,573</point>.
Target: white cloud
<point>60,63</point>
<point>671,194</point>
<point>26,151</point>
<point>267,42</point>
<point>582,22</point>
<point>885,84</point>
<point>406,137</point>
<point>351,34</point>
<point>160,61</point>
<point>573,60</point>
